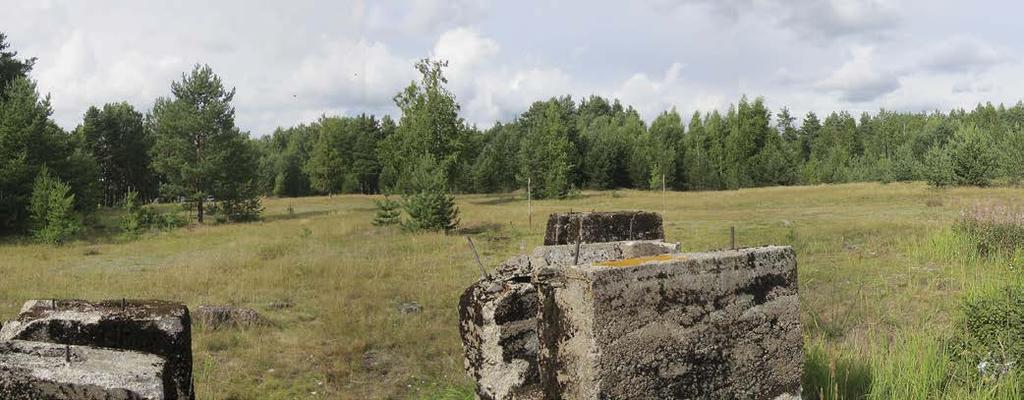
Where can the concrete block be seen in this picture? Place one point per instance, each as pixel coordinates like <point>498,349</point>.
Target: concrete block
<point>148,326</point>
<point>597,227</point>
<point>718,325</point>
<point>46,371</point>
<point>498,316</point>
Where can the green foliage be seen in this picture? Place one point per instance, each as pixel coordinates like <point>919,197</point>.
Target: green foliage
<point>389,212</point>
<point>987,345</point>
<point>51,210</point>
<point>1012,155</point>
<point>30,140</point>
<point>133,219</point>
<point>199,151</point>
<point>429,206</point>
<point>546,152</point>
<point>937,168</point>
<point>115,136</point>
<point>138,218</point>
<point>430,211</point>
<point>430,126</point>
<point>344,155</point>
<point>973,157</point>
<point>11,68</point>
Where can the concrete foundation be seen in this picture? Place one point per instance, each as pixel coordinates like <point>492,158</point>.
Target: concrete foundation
<point>597,227</point>
<point>46,371</point>
<point>155,327</point>
<point>498,316</point>
<point>718,325</point>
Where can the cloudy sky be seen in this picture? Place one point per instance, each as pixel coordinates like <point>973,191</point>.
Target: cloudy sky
<point>293,61</point>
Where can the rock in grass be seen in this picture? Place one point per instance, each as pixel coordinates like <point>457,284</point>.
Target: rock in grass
<point>149,326</point>
<point>218,317</point>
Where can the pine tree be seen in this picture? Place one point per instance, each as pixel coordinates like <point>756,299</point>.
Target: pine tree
<point>200,152</point>
<point>51,210</point>
<point>389,212</point>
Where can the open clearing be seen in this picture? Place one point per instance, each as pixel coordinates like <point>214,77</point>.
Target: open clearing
<point>873,264</point>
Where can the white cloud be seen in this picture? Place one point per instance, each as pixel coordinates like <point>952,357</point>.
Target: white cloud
<point>963,54</point>
<point>860,79</point>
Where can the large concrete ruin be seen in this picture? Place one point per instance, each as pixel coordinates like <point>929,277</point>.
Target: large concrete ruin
<point>498,315</point>
<point>157,328</point>
<point>634,319</point>
<point>718,325</point>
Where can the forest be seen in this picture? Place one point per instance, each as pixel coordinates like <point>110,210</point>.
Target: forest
<point>187,149</point>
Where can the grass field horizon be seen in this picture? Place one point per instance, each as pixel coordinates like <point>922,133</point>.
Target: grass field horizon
<point>878,269</point>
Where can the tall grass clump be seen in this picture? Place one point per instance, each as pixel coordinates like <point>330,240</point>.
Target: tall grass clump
<point>910,367</point>
<point>831,374</point>
<point>993,229</point>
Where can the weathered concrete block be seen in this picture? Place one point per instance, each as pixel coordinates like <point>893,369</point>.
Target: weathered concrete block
<point>47,371</point>
<point>498,316</point>
<point>719,325</point>
<point>597,227</point>
<point>156,327</point>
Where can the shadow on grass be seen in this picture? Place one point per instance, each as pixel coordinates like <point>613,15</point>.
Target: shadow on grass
<point>832,375</point>
<point>477,229</point>
<point>496,202</point>
<point>304,214</point>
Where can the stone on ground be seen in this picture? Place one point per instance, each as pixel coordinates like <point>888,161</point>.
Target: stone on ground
<point>217,317</point>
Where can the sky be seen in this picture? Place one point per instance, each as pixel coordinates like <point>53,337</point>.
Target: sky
<point>294,61</point>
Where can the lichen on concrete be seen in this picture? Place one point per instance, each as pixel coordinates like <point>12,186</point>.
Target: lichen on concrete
<point>46,371</point>
<point>718,325</point>
<point>157,327</point>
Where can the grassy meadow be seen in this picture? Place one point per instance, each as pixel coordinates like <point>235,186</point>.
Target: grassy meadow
<point>881,279</point>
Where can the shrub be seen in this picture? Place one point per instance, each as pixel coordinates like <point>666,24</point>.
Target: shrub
<point>134,215</point>
<point>431,211</point>
<point>974,162</point>
<point>51,210</point>
<point>426,199</point>
<point>937,168</point>
<point>389,212</point>
<point>138,218</point>
<point>994,229</point>
<point>987,344</point>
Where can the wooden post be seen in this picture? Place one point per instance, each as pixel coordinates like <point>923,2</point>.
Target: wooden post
<point>663,196</point>
<point>529,203</point>
<point>483,271</point>
<point>732,237</point>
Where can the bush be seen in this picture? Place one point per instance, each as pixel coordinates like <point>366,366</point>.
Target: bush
<point>134,215</point>
<point>994,229</point>
<point>389,212</point>
<point>426,198</point>
<point>988,343</point>
<point>973,161</point>
<point>937,169</point>
<point>138,218</point>
<point>51,210</point>
<point>431,211</point>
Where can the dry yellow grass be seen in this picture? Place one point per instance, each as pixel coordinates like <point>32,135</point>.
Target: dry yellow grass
<point>868,268</point>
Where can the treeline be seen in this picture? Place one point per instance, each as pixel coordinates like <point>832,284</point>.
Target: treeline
<point>560,145</point>
<point>187,149</point>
